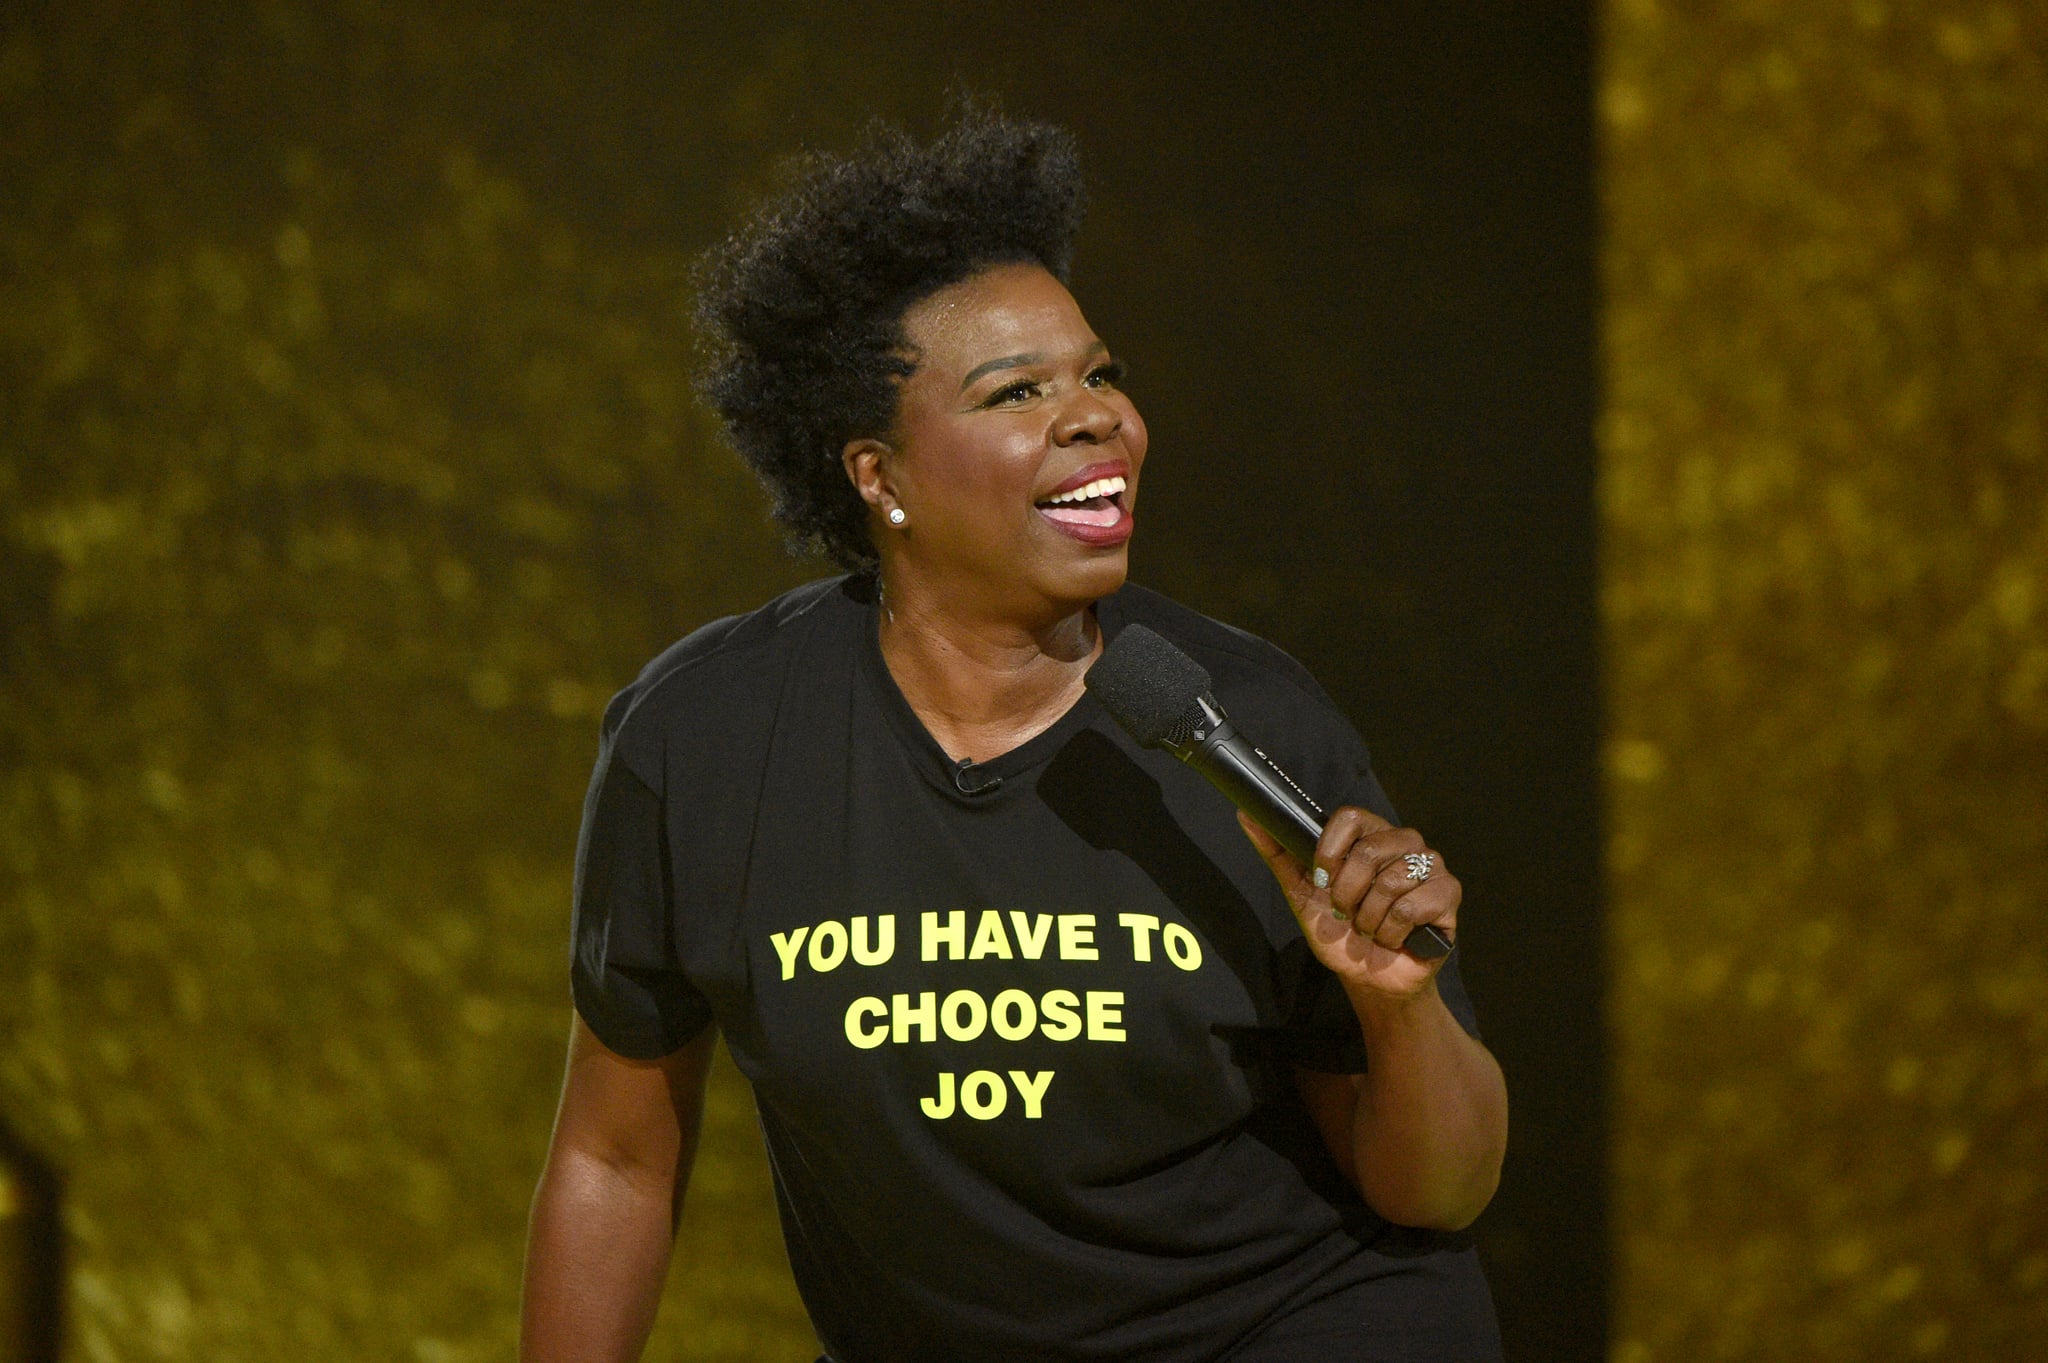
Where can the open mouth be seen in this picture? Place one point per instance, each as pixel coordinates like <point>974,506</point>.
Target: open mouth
<point>1096,505</point>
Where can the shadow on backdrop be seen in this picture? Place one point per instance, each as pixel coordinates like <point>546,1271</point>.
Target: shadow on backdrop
<point>31,1254</point>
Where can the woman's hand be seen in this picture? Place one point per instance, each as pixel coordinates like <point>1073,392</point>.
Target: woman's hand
<point>1422,1132</point>
<point>1368,889</point>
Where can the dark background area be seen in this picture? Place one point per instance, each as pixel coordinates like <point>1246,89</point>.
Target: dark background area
<point>1347,250</point>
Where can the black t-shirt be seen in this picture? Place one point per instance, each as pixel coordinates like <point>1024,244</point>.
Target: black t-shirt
<point>1022,1033</point>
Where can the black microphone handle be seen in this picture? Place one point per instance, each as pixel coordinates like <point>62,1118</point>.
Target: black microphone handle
<point>1248,778</point>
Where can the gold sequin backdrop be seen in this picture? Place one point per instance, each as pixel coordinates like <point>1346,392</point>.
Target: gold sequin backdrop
<point>1825,503</point>
<point>317,491</point>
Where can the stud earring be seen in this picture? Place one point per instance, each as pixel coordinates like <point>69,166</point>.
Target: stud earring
<point>896,516</point>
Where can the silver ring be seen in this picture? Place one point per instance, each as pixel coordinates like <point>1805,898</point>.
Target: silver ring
<point>1418,865</point>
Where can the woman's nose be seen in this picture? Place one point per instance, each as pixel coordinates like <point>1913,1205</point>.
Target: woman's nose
<point>1087,420</point>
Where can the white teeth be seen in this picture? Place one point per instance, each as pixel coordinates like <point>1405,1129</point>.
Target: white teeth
<point>1101,487</point>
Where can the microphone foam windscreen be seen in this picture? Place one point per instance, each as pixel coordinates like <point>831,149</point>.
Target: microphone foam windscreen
<point>1146,684</point>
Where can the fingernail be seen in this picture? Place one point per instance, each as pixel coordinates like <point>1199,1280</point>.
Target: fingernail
<point>1322,880</point>
<point>1339,914</point>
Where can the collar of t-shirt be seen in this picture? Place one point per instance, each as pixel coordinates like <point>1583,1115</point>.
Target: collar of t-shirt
<point>974,783</point>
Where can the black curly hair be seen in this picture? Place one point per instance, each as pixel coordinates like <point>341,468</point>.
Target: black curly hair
<point>800,312</point>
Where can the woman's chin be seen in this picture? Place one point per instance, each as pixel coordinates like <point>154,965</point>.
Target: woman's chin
<point>1092,577</point>
<point>1041,571</point>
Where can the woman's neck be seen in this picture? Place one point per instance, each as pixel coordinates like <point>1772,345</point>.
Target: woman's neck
<point>982,683</point>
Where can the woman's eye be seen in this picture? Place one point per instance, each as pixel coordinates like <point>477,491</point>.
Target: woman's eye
<point>1106,375</point>
<point>1013,392</point>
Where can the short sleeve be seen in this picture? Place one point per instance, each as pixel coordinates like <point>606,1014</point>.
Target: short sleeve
<point>623,974</point>
<point>1322,1032</point>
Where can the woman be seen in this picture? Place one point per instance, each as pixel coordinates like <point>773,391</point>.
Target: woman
<point>1055,1059</point>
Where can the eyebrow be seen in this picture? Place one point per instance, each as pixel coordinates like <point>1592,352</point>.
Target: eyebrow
<point>1017,362</point>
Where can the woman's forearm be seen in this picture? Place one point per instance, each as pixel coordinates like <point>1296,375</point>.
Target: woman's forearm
<point>604,1214</point>
<point>1430,1128</point>
<point>596,1257</point>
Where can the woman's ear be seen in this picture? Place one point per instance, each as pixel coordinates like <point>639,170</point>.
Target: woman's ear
<point>866,462</point>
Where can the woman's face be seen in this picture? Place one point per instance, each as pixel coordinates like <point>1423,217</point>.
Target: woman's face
<point>1012,418</point>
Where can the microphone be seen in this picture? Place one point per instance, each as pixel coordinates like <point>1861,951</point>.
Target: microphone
<point>1161,697</point>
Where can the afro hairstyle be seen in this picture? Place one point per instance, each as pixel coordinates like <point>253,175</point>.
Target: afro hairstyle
<point>800,311</point>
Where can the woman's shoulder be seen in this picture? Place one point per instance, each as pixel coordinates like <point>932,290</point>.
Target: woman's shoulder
<point>1269,695</point>
<point>1235,658</point>
<point>724,662</point>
